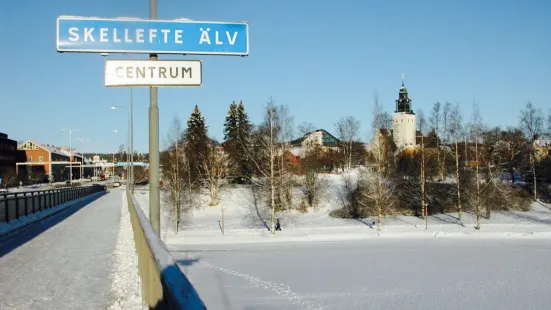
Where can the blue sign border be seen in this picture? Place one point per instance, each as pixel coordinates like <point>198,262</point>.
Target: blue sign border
<point>141,51</point>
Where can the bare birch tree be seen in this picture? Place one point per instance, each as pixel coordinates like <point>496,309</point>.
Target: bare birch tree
<point>216,168</point>
<point>315,186</point>
<point>455,129</point>
<point>436,121</point>
<point>174,164</point>
<point>264,154</point>
<point>347,131</point>
<point>531,123</point>
<point>446,128</point>
<point>380,191</point>
<point>508,148</point>
<point>285,132</point>
<point>476,131</point>
<point>422,123</point>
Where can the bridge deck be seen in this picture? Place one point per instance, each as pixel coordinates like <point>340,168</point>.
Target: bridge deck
<point>65,261</point>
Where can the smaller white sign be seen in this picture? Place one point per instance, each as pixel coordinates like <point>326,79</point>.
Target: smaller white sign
<point>153,73</point>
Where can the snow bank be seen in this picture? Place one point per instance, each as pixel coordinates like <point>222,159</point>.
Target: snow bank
<point>246,222</point>
<point>126,280</point>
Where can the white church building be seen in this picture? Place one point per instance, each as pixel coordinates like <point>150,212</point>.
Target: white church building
<point>403,121</point>
<point>404,132</point>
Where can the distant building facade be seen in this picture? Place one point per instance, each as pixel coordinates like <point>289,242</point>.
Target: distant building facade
<point>49,160</point>
<point>9,156</point>
<point>319,137</point>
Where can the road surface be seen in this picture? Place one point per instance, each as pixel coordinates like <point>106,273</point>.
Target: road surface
<point>65,261</point>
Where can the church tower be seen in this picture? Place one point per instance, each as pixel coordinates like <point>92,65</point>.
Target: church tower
<point>403,120</point>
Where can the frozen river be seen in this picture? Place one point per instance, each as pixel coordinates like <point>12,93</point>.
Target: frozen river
<point>373,274</point>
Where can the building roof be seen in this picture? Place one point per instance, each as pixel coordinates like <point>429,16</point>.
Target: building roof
<point>51,148</point>
<point>324,132</point>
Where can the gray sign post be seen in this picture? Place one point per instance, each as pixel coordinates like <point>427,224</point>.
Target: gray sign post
<point>153,37</point>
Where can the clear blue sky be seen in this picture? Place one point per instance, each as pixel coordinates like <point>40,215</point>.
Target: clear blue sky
<point>324,59</point>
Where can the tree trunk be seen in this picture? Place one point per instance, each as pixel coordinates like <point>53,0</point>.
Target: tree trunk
<point>424,208</point>
<point>177,188</point>
<point>190,193</point>
<point>477,187</point>
<point>272,185</point>
<point>533,164</point>
<point>379,188</point>
<point>511,169</point>
<point>379,206</point>
<point>458,182</point>
<point>350,156</point>
<point>466,154</point>
<point>439,160</point>
<point>443,166</point>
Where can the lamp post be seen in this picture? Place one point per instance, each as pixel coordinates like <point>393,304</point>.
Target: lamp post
<point>82,140</point>
<point>70,130</point>
<point>127,149</point>
<point>131,133</point>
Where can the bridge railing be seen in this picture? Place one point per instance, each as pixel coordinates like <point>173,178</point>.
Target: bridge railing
<point>18,204</point>
<point>164,285</point>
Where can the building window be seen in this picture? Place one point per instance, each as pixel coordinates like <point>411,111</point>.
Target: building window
<point>30,158</point>
<point>40,158</point>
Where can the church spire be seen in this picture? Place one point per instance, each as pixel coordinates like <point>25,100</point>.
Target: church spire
<point>403,103</point>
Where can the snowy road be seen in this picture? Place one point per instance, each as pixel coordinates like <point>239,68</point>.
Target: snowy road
<point>374,274</point>
<point>64,262</point>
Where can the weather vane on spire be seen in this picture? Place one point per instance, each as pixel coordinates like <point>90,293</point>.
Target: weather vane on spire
<point>402,79</point>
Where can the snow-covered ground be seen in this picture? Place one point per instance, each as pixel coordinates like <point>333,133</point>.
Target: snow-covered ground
<point>396,274</point>
<point>320,262</point>
<point>45,186</point>
<point>244,222</point>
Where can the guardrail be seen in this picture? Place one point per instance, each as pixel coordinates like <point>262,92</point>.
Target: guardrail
<point>15,205</point>
<point>164,285</point>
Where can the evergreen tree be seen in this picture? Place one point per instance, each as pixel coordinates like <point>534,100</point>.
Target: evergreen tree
<point>230,138</point>
<point>231,124</point>
<point>236,139</point>
<point>244,138</point>
<point>197,144</point>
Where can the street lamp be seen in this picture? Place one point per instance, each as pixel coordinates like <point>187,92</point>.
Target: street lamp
<point>127,148</point>
<point>131,134</point>
<point>82,140</point>
<point>70,130</point>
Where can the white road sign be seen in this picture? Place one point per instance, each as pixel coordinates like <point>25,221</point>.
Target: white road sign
<point>153,73</point>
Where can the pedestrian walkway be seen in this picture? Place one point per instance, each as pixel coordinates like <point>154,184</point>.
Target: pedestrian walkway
<point>65,261</point>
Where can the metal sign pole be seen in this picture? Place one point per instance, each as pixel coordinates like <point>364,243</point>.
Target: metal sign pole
<point>132,140</point>
<point>154,190</point>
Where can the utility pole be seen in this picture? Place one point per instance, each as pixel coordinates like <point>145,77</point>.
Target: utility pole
<point>154,175</point>
<point>71,156</point>
<point>70,130</point>
<point>131,141</point>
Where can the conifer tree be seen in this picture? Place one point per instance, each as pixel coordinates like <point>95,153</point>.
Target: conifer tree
<point>231,137</point>
<point>197,144</point>
<point>231,125</point>
<point>236,139</point>
<point>244,136</point>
